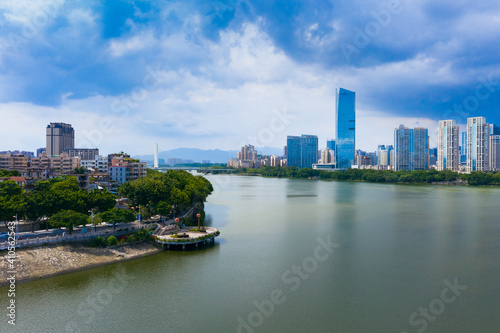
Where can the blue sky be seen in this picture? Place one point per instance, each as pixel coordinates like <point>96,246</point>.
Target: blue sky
<point>220,74</point>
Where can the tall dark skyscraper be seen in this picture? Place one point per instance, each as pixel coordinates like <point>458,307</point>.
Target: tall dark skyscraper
<point>345,134</point>
<point>60,136</point>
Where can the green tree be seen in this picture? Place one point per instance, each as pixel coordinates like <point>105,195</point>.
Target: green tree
<point>163,208</point>
<point>12,201</point>
<point>68,219</point>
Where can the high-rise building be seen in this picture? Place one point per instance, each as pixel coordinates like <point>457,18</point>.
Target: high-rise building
<point>330,144</point>
<point>345,122</point>
<point>302,151</point>
<point>478,136</point>
<point>384,155</point>
<point>59,137</point>
<point>327,156</point>
<point>447,150</point>
<point>293,144</point>
<point>309,150</point>
<point>495,152</point>
<point>494,129</point>
<point>247,153</point>
<point>463,149</point>
<point>411,148</point>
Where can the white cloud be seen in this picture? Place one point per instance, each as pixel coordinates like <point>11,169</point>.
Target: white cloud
<point>231,98</point>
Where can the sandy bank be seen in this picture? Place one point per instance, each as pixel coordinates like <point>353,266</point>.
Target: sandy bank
<point>44,261</point>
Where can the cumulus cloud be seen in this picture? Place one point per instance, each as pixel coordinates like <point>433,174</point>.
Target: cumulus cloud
<point>216,75</point>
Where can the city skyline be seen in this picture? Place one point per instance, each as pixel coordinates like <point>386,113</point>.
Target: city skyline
<point>194,71</point>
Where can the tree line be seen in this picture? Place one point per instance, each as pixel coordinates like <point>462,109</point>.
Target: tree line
<point>378,176</point>
<point>171,192</point>
<point>59,202</point>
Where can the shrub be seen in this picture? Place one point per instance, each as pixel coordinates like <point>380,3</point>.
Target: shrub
<point>112,240</point>
<point>98,242</point>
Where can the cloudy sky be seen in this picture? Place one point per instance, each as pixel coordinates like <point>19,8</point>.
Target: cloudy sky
<point>220,74</point>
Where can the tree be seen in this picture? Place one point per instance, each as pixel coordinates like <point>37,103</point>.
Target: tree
<point>12,201</point>
<point>94,221</point>
<point>102,200</point>
<point>116,215</point>
<point>68,219</point>
<point>163,208</point>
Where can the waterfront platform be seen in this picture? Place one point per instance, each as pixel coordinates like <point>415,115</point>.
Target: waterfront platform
<point>182,237</point>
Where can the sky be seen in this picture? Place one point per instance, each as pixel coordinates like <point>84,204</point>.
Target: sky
<point>225,73</point>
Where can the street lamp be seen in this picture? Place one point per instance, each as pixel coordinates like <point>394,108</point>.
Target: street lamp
<point>198,216</point>
<point>140,217</point>
<point>177,221</point>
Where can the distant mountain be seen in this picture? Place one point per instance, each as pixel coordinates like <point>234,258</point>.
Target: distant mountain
<point>199,155</point>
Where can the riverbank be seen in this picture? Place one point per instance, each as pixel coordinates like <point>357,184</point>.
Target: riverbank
<point>50,260</point>
<point>422,177</point>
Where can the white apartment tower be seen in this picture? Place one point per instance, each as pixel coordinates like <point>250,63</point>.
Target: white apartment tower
<point>447,149</point>
<point>478,136</point>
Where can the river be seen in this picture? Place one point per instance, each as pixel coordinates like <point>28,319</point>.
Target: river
<point>298,256</point>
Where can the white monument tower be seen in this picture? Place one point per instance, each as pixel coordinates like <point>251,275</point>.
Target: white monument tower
<point>156,156</point>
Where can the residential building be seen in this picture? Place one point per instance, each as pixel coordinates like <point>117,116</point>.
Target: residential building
<point>384,155</point>
<point>345,122</point>
<point>327,156</point>
<point>478,135</point>
<point>10,161</point>
<point>494,153</point>
<point>275,161</point>
<point>447,149</point>
<point>59,137</point>
<point>83,153</point>
<point>124,169</point>
<point>173,161</point>
<point>98,164</point>
<point>463,149</point>
<point>411,148</point>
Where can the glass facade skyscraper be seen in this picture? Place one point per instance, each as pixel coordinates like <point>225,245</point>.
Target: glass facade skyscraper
<point>302,151</point>
<point>293,144</point>
<point>309,150</point>
<point>330,144</point>
<point>345,122</point>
